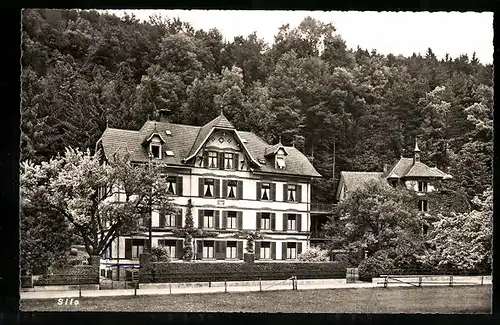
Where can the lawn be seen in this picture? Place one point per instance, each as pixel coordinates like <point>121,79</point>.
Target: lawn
<point>464,299</point>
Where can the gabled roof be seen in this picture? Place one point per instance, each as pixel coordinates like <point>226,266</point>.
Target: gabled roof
<point>400,168</point>
<point>220,122</point>
<point>181,141</point>
<point>441,173</point>
<point>354,180</point>
<point>272,150</point>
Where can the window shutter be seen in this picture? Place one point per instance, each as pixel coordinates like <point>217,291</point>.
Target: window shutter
<point>299,248</point>
<point>273,221</point>
<point>128,248</point>
<point>161,217</point>
<point>216,187</point>
<point>285,221</point>
<point>179,249</point>
<point>239,219</point>
<point>257,250</point>
<point>273,250</point>
<point>298,217</point>
<point>205,159</point>
<point>179,185</point>
<point>257,223</point>
<point>239,247</point>
<point>224,188</point>
<point>299,193</point>
<point>200,218</point>
<point>285,192</point>
<point>224,220</point>
<point>220,156</point>
<point>217,250</point>
<point>283,250</point>
<point>178,218</point>
<point>236,159</point>
<point>201,183</point>
<point>239,190</point>
<point>273,191</point>
<point>216,219</point>
<point>223,250</point>
<point>258,191</point>
<point>199,249</point>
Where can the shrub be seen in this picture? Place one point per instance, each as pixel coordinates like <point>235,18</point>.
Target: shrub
<point>159,254</point>
<point>374,266</point>
<point>314,254</point>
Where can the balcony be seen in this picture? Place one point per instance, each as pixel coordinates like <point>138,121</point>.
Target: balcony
<point>322,207</point>
<point>320,234</point>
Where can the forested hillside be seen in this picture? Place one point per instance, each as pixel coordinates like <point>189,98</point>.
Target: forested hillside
<point>83,69</point>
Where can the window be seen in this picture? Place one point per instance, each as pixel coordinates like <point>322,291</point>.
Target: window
<point>212,159</point>
<point>208,219</point>
<point>166,220</point>
<point>292,189</point>
<point>209,187</point>
<point>422,205</point>
<point>265,191</point>
<point>291,250</point>
<point>422,186</point>
<point>169,245</point>
<point>156,151</point>
<point>280,162</point>
<point>425,229</point>
<point>172,185</point>
<point>137,247</point>
<point>231,189</point>
<point>231,220</point>
<point>228,160</point>
<point>394,183</point>
<point>265,221</point>
<point>265,250</point>
<point>291,222</point>
<point>231,250</point>
<point>208,249</point>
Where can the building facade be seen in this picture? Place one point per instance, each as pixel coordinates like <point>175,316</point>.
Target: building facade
<point>233,179</point>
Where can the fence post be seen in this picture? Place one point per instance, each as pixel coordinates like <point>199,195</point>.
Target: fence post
<point>170,287</point>
<point>419,281</point>
<point>293,283</point>
<point>225,285</point>
<point>385,282</point>
<point>296,283</point>
<point>209,283</point>
<point>451,280</point>
<point>482,279</point>
<point>260,284</point>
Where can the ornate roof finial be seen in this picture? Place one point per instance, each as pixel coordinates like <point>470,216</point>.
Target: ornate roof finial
<point>279,139</point>
<point>107,121</point>
<point>416,146</point>
<point>148,117</point>
<point>221,111</point>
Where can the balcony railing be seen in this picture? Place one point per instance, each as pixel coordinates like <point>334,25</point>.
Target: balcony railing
<point>322,207</point>
<point>318,234</point>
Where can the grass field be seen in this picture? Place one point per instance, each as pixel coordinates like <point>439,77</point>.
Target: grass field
<point>465,299</point>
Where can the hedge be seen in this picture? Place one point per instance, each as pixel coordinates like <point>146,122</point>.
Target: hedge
<point>73,276</point>
<point>206,271</point>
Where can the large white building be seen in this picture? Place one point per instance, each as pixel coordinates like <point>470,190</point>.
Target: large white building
<point>235,181</point>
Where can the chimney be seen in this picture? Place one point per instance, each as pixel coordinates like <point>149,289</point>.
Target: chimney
<point>163,115</point>
<point>385,168</point>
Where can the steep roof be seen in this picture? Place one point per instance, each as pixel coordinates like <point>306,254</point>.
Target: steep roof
<point>420,169</point>
<point>183,138</point>
<point>405,167</point>
<point>354,180</point>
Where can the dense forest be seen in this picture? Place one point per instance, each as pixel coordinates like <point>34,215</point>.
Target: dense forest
<point>83,70</point>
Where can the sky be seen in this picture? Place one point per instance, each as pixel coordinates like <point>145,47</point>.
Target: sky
<point>403,33</point>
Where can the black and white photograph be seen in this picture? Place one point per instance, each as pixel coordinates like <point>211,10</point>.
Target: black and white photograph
<point>256,161</point>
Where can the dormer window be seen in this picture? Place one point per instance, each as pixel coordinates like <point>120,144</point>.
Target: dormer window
<point>422,186</point>
<point>155,150</point>
<point>228,160</point>
<point>280,162</point>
